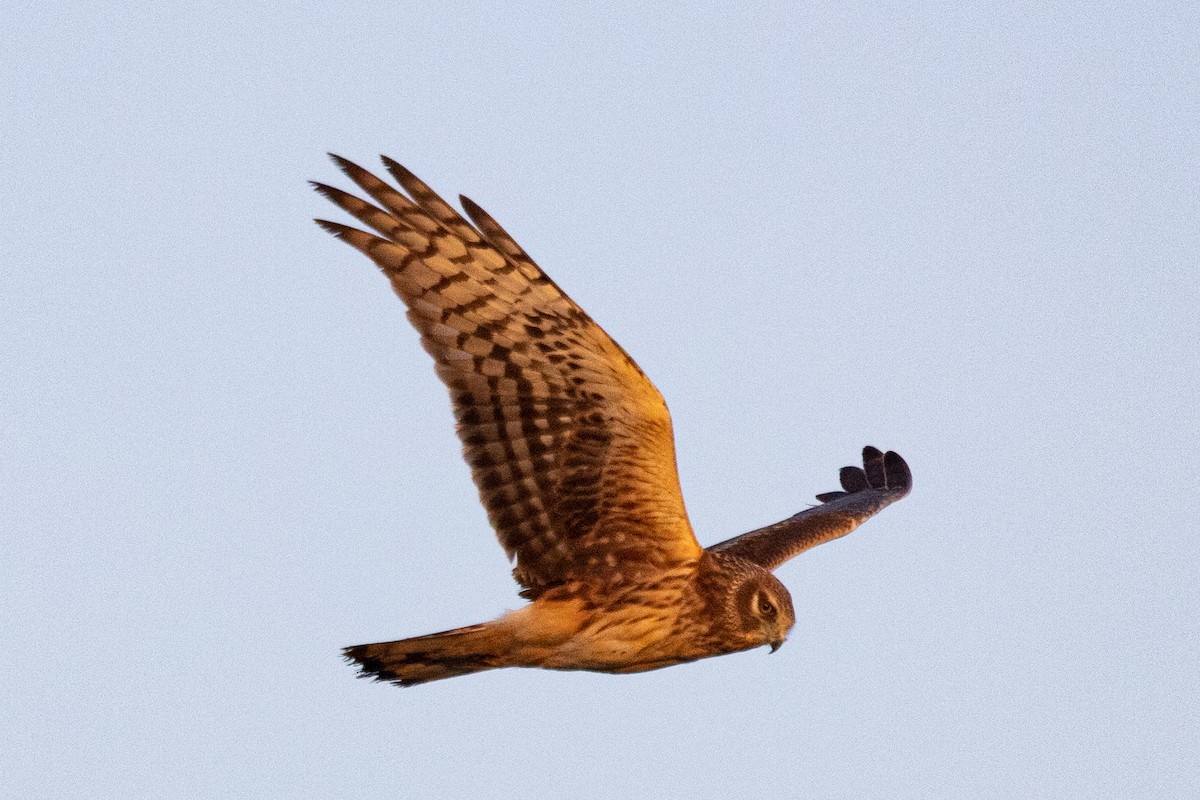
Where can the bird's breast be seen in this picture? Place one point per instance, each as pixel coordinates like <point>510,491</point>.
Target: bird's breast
<point>641,626</point>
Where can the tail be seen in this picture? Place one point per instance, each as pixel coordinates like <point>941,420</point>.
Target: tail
<point>408,662</point>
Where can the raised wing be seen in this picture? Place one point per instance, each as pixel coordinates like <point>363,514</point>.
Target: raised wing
<point>883,479</point>
<point>568,441</point>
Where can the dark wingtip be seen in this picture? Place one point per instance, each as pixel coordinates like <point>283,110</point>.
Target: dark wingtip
<point>896,470</point>
<point>883,471</point>
<point>336,228</point>
<point>398,170</point>
<point>873,467</point>
<point>853,479</point>
<point>470,206</point>
<point>324,189</point>
<point>483,220</point>
<point>352,170</point>
<point>343,200</point>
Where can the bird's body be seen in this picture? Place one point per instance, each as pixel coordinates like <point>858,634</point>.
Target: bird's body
<point>571,448</point>
<point>654,620</point>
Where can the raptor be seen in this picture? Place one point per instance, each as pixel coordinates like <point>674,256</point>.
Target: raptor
<point>571,448</point>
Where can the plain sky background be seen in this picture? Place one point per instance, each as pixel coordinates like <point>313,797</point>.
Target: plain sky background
<point>967,232</point>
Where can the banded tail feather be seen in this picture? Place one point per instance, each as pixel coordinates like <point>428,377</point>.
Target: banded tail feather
<point>408,662</point>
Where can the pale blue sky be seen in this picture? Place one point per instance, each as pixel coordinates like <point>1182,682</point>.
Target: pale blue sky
<point>966,232</point>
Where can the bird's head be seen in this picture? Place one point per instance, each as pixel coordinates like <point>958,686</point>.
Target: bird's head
<point>762,608</point>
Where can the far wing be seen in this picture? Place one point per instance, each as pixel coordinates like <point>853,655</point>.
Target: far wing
<point>883,479</point>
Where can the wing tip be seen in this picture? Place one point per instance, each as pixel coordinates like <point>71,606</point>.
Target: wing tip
<point>344,164</point>
<point>325,190</point>
<point>897,472</point>
<point>470,206</point>
<point>881,471</point>
<point>855,479</point>
<point>336,228</point>
<point>400,172</point>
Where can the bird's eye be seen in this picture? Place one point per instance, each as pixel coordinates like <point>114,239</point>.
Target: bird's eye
<point>766,607</point>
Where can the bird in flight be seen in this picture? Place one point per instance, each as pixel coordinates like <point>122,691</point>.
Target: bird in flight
<point>571,448</point>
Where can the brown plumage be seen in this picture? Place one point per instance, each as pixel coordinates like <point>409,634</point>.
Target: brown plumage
<point>571,448</point>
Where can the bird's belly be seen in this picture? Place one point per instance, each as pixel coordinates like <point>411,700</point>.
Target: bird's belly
<point>633,639</point>
<point>640,629</point>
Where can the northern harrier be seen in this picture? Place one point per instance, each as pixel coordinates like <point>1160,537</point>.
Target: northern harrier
<point>571,448</point>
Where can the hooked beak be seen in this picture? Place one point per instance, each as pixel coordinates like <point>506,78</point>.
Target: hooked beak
<point>778,643</point>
